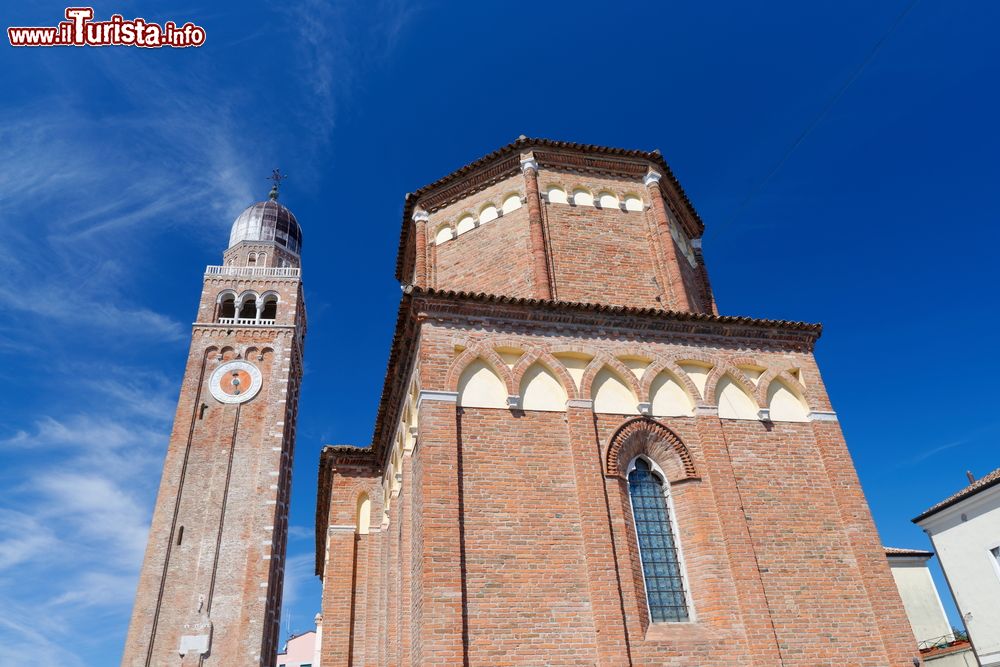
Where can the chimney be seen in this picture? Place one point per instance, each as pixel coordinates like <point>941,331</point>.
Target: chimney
<point>972,478</point>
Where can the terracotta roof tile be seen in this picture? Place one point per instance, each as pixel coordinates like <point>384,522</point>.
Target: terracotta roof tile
<point>980,484</point>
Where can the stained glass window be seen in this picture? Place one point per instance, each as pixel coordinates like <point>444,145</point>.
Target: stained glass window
<point>657,545</point>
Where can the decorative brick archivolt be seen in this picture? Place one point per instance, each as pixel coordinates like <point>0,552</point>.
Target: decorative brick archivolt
<point>671,368</point>
<point>641,387</point>
<point>546,359</point>
<point>601,360</point>
<point>490,357</point>
<point>648,437</point>
<point>783,375</point>
<point>725,368</point>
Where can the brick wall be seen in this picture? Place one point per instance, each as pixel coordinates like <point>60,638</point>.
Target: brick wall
<point>521,547</point>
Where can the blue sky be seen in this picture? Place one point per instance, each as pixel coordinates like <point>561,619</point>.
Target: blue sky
<point>122,169</point>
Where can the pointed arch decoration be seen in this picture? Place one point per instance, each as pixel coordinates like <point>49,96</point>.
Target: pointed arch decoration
<point>648,437</point>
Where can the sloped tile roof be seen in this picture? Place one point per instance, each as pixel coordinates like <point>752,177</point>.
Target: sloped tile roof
<point>980,484</point>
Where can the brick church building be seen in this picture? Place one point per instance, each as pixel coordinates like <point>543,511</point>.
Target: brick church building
<point>576,459</point>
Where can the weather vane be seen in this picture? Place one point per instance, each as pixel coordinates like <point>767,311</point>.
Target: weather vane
<point>276,177</point>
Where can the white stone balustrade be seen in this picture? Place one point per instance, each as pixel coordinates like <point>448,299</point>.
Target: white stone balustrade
<point>255,271</point>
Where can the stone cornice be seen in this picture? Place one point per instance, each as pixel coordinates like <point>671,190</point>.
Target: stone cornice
<point>474,182</point>
<point>463,308</point>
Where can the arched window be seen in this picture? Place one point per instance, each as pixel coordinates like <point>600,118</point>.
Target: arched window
<point>248,311</point>
<point>658,551</point>
<point>227,306</point>
<point>270,310</point>
<point>252,259</point>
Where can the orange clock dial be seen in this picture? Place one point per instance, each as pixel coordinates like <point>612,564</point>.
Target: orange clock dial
<point>236,382</point>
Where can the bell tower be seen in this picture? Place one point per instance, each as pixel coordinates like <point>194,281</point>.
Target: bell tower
<point>211,582</point>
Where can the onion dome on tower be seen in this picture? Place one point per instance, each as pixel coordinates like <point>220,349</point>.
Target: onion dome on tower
<point>268,221</point>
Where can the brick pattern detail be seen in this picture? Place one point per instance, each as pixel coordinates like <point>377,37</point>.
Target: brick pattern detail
<point>650,437</point>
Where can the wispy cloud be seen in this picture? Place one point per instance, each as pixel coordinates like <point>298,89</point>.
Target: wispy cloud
<point>965,439</point>
<point>124,154</point>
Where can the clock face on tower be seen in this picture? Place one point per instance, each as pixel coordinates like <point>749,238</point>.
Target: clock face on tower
<point>235,382</point>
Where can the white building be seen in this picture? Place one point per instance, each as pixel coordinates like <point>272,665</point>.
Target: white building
<point>939,647</point>
<point>965,532</point>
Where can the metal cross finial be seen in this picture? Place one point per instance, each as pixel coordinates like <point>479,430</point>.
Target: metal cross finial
<point>276,177</point>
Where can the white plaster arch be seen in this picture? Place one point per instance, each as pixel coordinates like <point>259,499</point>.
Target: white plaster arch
<point>583,197</point>
<point>465,223</point>
<point>633,202</point>
<point>556,195</point>
<point>364,513</point>
<point>443,234</point>
<point>667,397</point>
<point>541,390</point>
<point>734,403</point>
<point>698,372</point>
<point>612,394</point>
<point>575,364</point>
<point>488,213</point>
<point>608,200</point>
<point>480,387</point>
<point>511,202</point>
<point>784,405</point>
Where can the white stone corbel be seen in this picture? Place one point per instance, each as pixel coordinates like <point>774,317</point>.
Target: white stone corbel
<point>764,414</point>
<point>420,215</point>
<point>514,402</point>
<point>341,528</point>
<point>529,163</point>
<point>432,395</point>
<point>706,411</point>
<point>645,409</point>
<point>584,403</point>
<point>652,176</point>
<point>822,416</point>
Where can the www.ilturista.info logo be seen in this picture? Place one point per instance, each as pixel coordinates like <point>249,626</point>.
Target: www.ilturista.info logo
<point>80,30</point>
